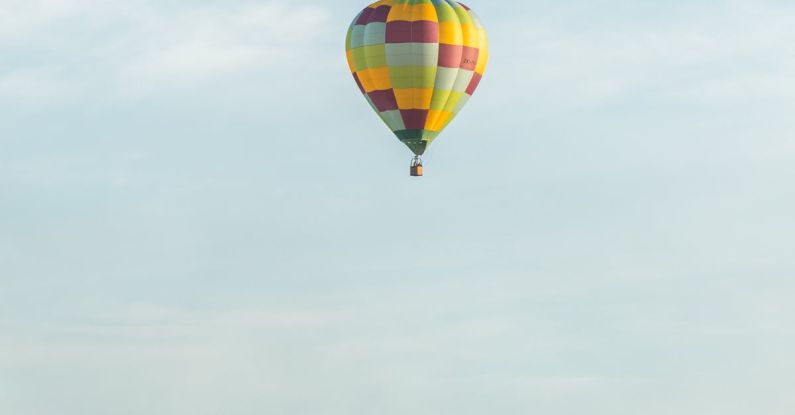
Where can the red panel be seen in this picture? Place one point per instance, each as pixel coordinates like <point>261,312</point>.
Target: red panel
<point>450,55</point>
<point>414,119</point>
<point>469,59</point>
<point>424,31</point>
<point>380,14</point>
<point>398,31</point>
<point>421,31</point>
<point>384,100</point>
<point>473,84</point>
<point>365,16</point>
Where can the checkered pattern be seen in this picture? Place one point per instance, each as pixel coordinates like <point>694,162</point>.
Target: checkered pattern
<point>417,62</point>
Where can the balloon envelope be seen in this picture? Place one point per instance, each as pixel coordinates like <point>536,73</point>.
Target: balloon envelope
<point>417,62</point>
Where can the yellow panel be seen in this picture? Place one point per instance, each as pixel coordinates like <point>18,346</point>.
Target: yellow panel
<point>424,11</point>
<point>433,120</point>
<point>470,35</point>
<point>445,121</point>
<point>483,54</point>
<point>437,120</point>
<point>483,58</point>
<point>450,33</point>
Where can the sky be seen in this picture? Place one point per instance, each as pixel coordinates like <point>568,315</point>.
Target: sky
<point>199,214</point>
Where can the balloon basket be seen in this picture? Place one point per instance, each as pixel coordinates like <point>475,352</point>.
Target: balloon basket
<point>416,167</point>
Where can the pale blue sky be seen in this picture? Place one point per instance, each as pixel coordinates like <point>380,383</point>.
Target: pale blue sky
<point>199,214</point>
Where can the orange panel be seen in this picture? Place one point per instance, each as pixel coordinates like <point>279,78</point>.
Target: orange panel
<point>399,12</point>
<point>349,54</point>
<point>375,79</point>
<point>414,98</point>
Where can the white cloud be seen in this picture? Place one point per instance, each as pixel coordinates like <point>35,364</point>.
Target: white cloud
<point>36,85</point>
<point>466,345</point>
<point>22,21</point>
<point>731,51</point>
<point>141,47</point>
<point>204,44</point>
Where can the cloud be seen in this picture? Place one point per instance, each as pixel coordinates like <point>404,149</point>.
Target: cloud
<point>205,44</point>
<point>139,48</point>
<point>465,345</point>
<point>181,259</point>
<point>715,53</point>
<point>36,85</point>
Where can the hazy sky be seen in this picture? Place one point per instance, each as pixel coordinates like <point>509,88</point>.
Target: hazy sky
<point>200,215</point>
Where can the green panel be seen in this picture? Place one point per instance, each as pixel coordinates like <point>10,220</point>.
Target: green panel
<point>413,140</point>
<point>393,119</point>
<point>445,12</point>
<point>359,61</point>
<point>374,50</point>
<point>400,54</point>
<point>375,33</point>
<point>357,36</point>
<point>429,136</point>
<point>350,31</point>
<point>375,56</point>
<point>412,77</point>
<point>412,2</point>
<point>367,57</point>
<point>463,14</point>
<point>463,80</point>
<point>412,54</point>
<point>440,98</point>
<point>445,78</point>
<point>416,140</point>
<point>460,104</point>
<point>408,135</point>
<point>427,54</point>
<point>453,100</point>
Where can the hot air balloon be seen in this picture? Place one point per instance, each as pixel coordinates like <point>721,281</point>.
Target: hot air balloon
<point>417,62</point>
